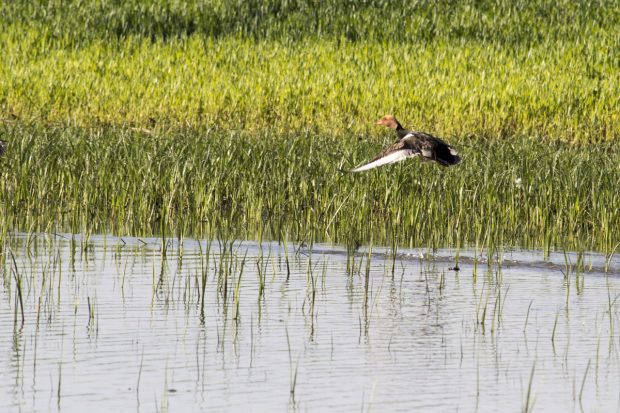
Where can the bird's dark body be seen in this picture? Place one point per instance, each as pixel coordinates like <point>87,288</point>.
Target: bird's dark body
<point>431,147</point>
<point>411,144</point>
<point>427,145</point>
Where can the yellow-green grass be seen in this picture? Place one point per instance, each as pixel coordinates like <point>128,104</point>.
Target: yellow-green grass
<point>483,68</point>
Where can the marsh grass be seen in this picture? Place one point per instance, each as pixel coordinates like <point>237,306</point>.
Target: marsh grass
<point>486,68</point>
<point>529,399</point>
<point>19,294</point>
<point>232,185</point>
<point>503,22</point>
<point>231,120</point>
<point>568,93</point>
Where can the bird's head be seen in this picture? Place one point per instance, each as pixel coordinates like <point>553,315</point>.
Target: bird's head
<point>389,121</point>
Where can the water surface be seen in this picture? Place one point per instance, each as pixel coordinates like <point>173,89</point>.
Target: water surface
<point>113,323</point>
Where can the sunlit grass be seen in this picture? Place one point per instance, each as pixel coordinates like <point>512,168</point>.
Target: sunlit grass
<point>485,68</point>
<point>569,92</point>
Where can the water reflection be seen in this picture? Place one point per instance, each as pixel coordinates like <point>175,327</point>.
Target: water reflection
<point>154,325</point>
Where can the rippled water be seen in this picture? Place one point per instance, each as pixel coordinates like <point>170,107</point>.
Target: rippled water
<point>120,326</point>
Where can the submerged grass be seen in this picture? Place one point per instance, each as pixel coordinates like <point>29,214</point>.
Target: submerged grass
<point>233,185</point>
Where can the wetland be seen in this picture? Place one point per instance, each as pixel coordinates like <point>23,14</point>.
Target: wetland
<point>162,325</point>
<point>178,231</point>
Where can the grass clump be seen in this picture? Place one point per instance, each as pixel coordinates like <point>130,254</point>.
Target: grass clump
<point>233,184</point>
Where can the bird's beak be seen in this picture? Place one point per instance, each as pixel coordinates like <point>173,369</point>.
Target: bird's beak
<point>380,122</point>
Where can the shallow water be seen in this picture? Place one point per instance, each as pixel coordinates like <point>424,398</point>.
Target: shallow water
<point>120,326</point>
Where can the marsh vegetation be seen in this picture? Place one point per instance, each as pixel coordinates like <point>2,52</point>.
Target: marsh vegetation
<point>174,211</point>
<point>194,118</point>
<point>211,184</point>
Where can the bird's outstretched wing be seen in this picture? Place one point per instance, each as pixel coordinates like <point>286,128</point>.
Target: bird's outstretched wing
<point>396,153</point>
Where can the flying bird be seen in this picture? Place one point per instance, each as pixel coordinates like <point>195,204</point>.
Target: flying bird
<point>411,144</point>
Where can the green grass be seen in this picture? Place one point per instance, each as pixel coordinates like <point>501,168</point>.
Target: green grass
<point>236,185</point>
<point>483,68</point>
<point>511,23</point>
<point>231,119</point>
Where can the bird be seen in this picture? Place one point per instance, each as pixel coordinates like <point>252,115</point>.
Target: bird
<point>2,147</point>
<point>411,144</point>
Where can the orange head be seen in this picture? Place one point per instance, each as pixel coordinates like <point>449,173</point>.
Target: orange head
<point>389,121</point>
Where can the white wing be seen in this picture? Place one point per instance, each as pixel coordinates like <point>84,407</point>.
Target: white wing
<point>395,156</point>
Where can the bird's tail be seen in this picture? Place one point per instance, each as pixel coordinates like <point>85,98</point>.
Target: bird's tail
<point>451,157</point>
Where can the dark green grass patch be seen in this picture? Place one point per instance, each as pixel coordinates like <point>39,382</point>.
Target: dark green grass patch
<point>516,192</point>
